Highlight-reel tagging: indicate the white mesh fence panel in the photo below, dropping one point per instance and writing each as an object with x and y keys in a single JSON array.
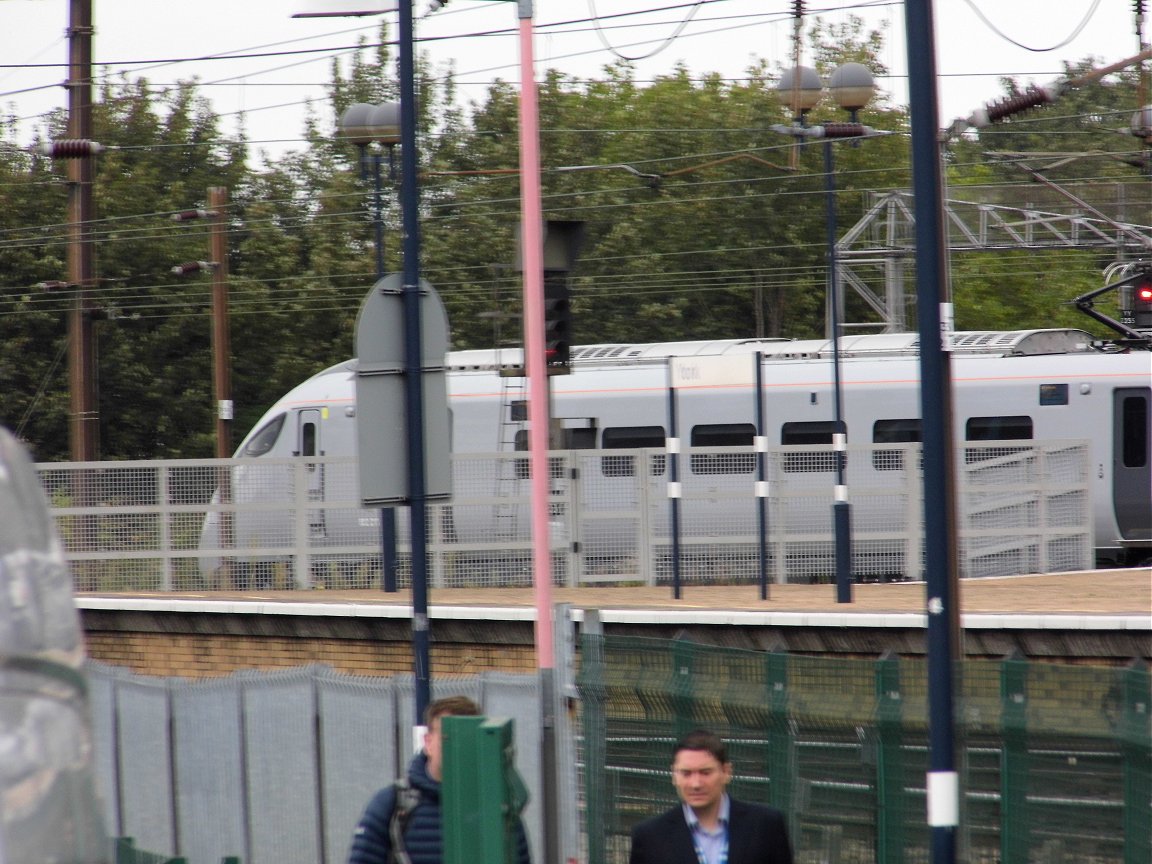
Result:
[
  {"x": 102, "y": 710},
  {"x": 273, "y": 766},
  {"x": 357, "y": 755},
  {"x": 280, "y": 759},
  {"x": 255, "y": 524},
  {"x": 209, "y": 781},
  {"x": 144, "y": 750}
]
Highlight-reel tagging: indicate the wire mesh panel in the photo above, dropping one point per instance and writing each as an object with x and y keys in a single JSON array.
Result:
[
  {"x": 516, "y": 697},
  {"x": 357, "y": 755},
  {"x": 145, "y": 755},
  {"x": 1023, "y": 506},
  {"x": 620, "y": 506},
  {"x": 102, "y": 710},
  {"x": 280, "y": 764},
  {"x": 209, "y": 759},
  {"x": 1055, "y": 761},
  {"x": 265, "y": 524},
  {"x": 274, "y": 766}
]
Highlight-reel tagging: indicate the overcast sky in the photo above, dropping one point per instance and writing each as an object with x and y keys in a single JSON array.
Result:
[{"x": 159, "y": 40}]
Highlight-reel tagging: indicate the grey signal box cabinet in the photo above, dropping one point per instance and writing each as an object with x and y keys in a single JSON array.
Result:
[{"x": 381, "y": 409}]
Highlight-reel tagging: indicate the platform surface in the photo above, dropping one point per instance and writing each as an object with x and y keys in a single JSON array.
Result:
[{"x": 1100, "y": 592}]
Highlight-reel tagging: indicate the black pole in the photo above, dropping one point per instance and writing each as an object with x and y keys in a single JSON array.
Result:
[
  {"x": 761, "y": 479},
  {"x": 841, "y": 514},
  {"x": 413, "y": 389},
  {"x": 388, "y": 557},
  {"x": 673, "y": 448},
  {"x": 378, "y": 214},
  {"x": 935, "y": 321}
]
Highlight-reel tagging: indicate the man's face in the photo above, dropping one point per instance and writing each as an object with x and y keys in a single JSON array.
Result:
[
  {"x": 433, "y": 746},
  {"x": 700, "y": 778}
]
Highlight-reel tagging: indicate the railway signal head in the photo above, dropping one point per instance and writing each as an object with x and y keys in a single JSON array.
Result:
[
  {"x": 557, "y": 324},
  {"x": 1142, "y": 304}
]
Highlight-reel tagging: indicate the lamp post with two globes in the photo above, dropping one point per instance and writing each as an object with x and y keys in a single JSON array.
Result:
[
  {"x": 364, "y": 125},
  {"x": 852, "y": 86}
]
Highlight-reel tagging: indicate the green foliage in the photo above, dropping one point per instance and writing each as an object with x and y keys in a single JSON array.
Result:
[{"x": 700, "y": 222}]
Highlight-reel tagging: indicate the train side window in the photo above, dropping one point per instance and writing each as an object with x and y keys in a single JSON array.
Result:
[
  {"x": 264, "y": 440},
  {"x": 808, "y": 432},
  {"x": 723, "y": 435},
  {"x": 579, "y": 438},
  {"x": 627, "y": 437},
  {"x": 308, "y": 439},
  {"x": 903, "y": 431},
  {"x": 1012, "y": 428},
  {"x": 1134, "y": 416},
  {"x": 1004, "y": 428}
]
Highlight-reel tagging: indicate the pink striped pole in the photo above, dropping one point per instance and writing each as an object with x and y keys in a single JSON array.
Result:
[{"x": 532, "y": 217}]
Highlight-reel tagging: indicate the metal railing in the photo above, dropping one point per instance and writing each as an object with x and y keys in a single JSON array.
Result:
[
  {"x": 270, "y": 767},
  {"x": 1056, "y": 761},
  {"x": 297, "y": 523}
]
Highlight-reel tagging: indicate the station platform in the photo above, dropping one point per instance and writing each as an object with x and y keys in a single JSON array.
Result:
[{"x": 1102, "y": 616}]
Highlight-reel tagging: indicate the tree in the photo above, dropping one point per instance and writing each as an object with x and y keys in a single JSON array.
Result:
[{"x": 698, "y": 225}]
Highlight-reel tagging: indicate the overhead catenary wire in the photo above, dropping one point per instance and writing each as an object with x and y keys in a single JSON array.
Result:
[
  {"x": 707, "y": 158},
  {"x": 296, "y": 103},
  {"x": 114, "y": 229},
  {"x": 1076, "y": 31}
]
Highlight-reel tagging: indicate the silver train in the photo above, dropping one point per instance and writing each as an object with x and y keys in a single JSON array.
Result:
[
  {"x": 1016, "y": 386},
  {"x": 49, "y": 810}
]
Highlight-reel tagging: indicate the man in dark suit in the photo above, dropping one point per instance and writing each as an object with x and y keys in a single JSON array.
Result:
[{"x": 709, "y": 827}]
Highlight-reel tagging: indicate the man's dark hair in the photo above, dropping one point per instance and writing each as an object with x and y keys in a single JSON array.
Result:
[
  {"x": 702, "y": 739},
  {"x": 453, "y": 706}
]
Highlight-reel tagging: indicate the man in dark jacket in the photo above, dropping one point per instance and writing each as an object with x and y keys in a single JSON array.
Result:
[
  {"x": 709, "y": 827},
  {"x": 420, "y": 826}
]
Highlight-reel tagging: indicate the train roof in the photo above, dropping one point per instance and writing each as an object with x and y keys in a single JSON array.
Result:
[
  {"x": 994, "y": 343},
  {"x": 989, "y": 342}
]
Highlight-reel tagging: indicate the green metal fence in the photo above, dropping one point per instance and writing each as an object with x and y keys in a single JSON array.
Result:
[
  {"x": 125, "y": 852},
  {"x": 1055, "y": 760}
]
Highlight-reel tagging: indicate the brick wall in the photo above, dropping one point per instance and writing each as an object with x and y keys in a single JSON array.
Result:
[
  {"x": 208, "y": 655},
  {"x": 205, "y": 656}
]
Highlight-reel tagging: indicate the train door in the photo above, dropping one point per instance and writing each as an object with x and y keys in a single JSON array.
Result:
[
  {"x": 1132, "y": 462},
  {"x": 309, "y": 445}
]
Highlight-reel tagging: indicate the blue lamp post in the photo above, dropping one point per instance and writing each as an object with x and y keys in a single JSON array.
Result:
[
  {"x": 852, "y": 86},
  {"x": 363, "y": 125}
]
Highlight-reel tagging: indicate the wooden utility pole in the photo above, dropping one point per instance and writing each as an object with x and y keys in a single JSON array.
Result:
[
  {"x": 221, "y": 340},
  {"x": 222, "y": 365},
  {"x": 84, "y": 421}
]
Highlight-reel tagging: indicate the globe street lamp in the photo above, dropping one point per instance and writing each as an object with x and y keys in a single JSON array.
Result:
[
  {"x": 852, "y": 86},
  {"x": 363, "y": 125}
]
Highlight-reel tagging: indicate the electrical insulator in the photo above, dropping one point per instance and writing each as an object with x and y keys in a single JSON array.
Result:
[
  {"x": 52, "y": 285},
  {"x": 842, "y": 130},
  {"x": 192, "y": 267},
  {"x": 994, "y": 112},
  {"x": 70, "y": 148},
  {"x": 185, "y": 215}
]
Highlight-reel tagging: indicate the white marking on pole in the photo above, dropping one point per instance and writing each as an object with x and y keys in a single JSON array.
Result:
[{"x": 943, "y": 799}]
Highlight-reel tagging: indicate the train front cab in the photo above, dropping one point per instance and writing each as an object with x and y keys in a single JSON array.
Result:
[{"x": 1132, "y": 471}]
